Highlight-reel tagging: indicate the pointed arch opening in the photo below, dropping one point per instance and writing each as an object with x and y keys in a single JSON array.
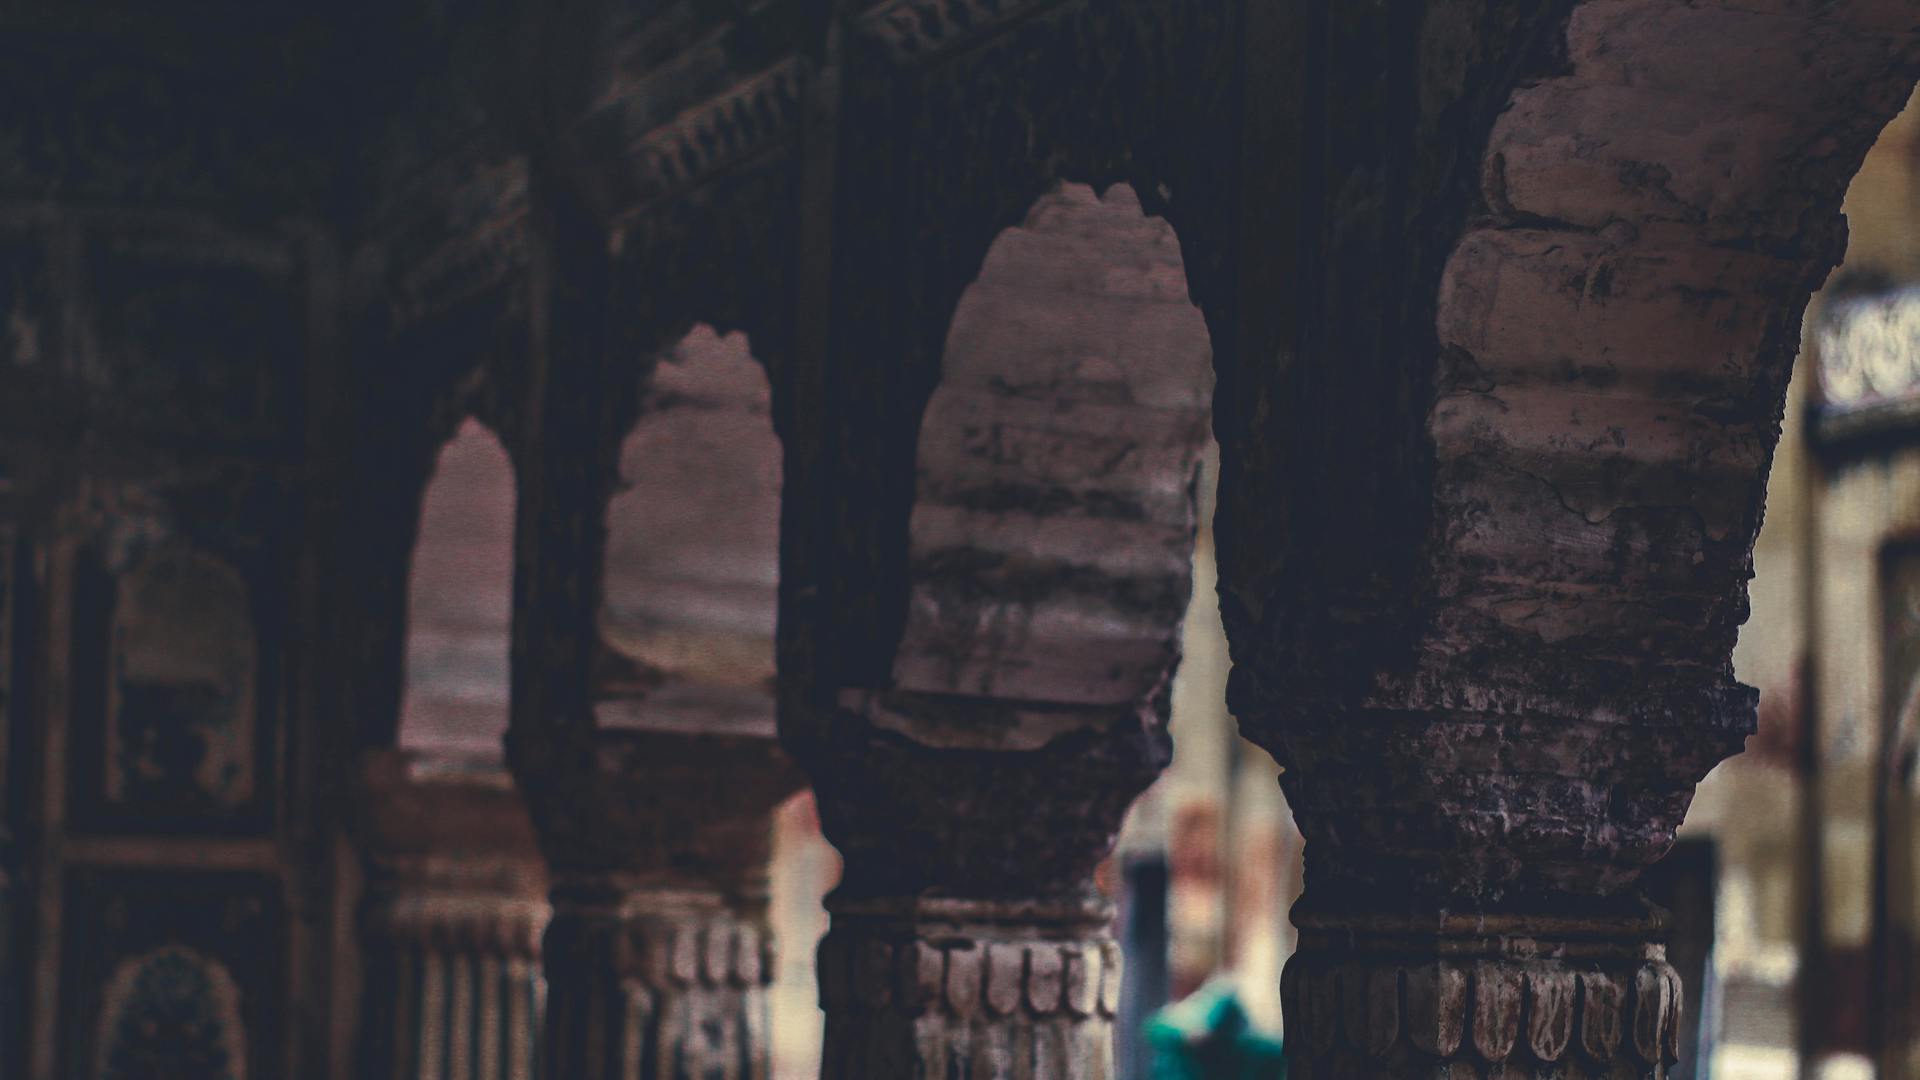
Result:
[
  {"x": 1054, "y": 514},
  {"x": 460, "y": 601},
  {"x": 691, "y": 576}
]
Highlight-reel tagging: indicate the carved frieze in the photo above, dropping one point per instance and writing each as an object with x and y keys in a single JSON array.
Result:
[
  {"x": 752, "y": 117},
  {"x": 918, "y": 30},
  {"x": 968, "y": 989},
  {"x": 682, "y": 975},
  {"x": 1480, "y": 996}
]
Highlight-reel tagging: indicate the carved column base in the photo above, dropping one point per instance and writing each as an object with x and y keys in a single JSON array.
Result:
[
  {"x": 454, "y": 984},
  {"x": 656, "y": 984},
  {"x": 454, "y": 909},
  {"x": 966, "y": 989},
  {"x": 1479, "y": 995}
]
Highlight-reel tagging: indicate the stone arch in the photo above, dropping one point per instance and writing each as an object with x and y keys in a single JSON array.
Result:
[
  {"x": 454, "y": 696},
  {"x": 691, "y": 565},
  {"x": 999, "y": 696},
  {"x": 455, "y": 892},
  {"x": 1044, "y": 564},
  {"x": 1053, "y": 517},
  {"x": 1495, "y": 673}
]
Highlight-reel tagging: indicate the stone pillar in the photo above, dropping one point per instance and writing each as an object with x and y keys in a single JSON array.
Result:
[
  {"x": 967, "y": 938},
  {"x": 1492, "y": 469},
  {"x": 981, "y": 617},
  {"x": 1470, "y": 907},
  {"x": 454, "y": 911},
  {"x": 658, "y": 957}
]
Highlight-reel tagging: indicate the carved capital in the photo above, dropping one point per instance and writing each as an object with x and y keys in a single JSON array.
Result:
[
  {"x": 968, "y": 988},
  {"x": 451, "y": 862},
  {"x": 913, "y": 817},
  {"x": 657, "y": 982},
  {"x": 500, "y": 925},
  {"x": 748, "y": 120},
  {"x": 1485, "y": 807},
  {"x": 658, "y": 956},
  {"x": 1485, "y": 995},
  {"x": 636, "y": 809}
]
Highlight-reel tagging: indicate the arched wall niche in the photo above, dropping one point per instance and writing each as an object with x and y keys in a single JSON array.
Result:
[
  {"x": 454, "y": 696},
  {"x": 182, "y": 696},
  {"x": 1053, "y": 519},
  {"x": 173, "y": 1011},
  {"x": 691, "y": 566}
]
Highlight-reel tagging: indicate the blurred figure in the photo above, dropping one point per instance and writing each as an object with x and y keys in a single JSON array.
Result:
[{"x": 1208, "y": 1037}]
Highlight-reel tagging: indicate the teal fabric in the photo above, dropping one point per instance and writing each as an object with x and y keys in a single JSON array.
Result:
[{"x": 1207, "y": 1037}]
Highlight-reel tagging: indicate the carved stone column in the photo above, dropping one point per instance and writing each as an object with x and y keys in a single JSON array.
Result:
[
  {"x": 981, "y": 619},
  {"x": 967, "y": 939},
  {"x": 658, "y": 956},
  {"x": 1470, "y": 907},
  {"x": 454, "y": 911}
]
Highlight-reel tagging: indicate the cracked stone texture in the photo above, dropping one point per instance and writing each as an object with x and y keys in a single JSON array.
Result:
[{"x": 1521, "y": 711}]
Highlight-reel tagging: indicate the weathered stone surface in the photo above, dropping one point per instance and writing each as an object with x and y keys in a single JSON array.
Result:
[
  {"x": 968, "y": 989},
  {"x": 1480, "y": 996},
  {"x": 1501, "y": 297}
]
